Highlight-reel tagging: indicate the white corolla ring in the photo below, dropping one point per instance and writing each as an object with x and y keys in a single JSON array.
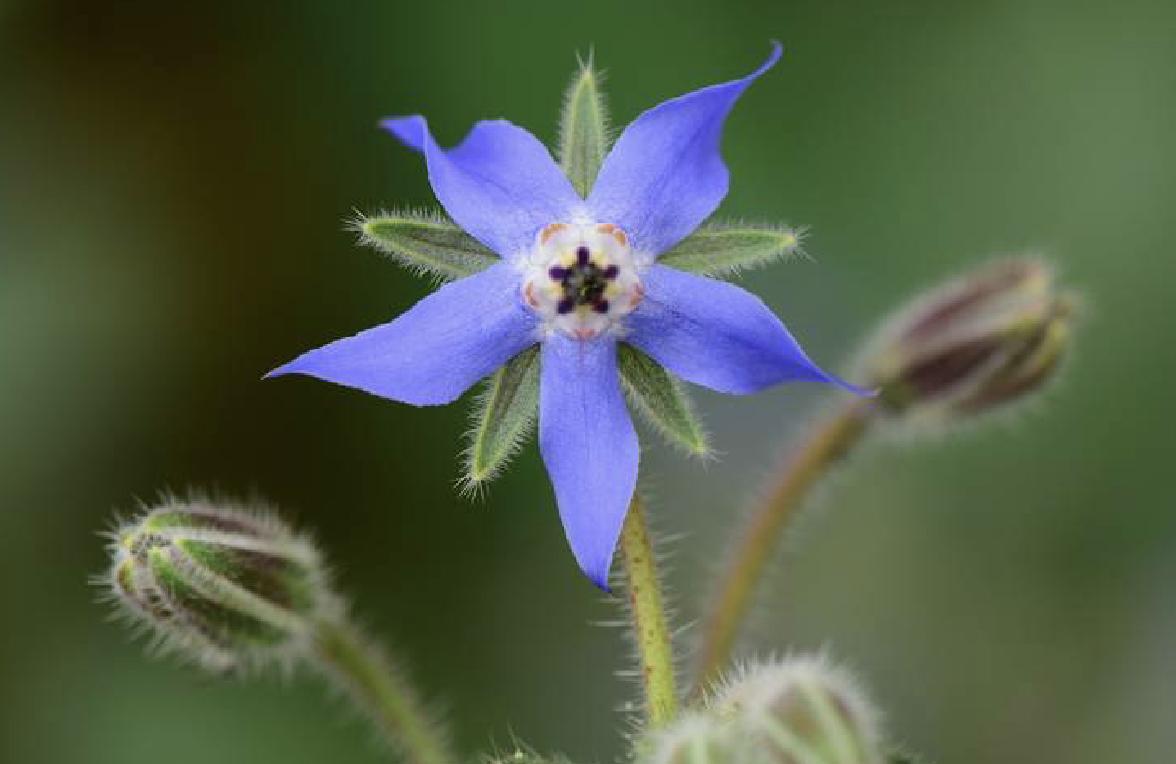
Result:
[{"x": 582, "y": 279}]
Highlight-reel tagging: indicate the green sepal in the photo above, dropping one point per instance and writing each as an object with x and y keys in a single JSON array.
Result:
[
  {"x": 503, "y": 415},
  {"x": 194, "y": 608},
  {"x": 725, "y": 249},
  {"x": 663, "y": 400},
  {"x": 583, "y": 129},
  {"x": 426, "y": 243},
  {"x": 273, "y": 577}
]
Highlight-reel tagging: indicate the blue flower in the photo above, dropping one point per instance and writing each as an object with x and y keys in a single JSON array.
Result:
[{"x": 578, "y": 275}]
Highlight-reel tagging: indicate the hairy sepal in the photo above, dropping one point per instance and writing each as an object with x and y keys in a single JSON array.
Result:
[
  {"x": 503, "y": 416},
  {"x": 727, "y": 249},
  {"x": 426, "y": 243},
  {"x": 663, "y": 401},
  {"x": 583, "y": 128}
]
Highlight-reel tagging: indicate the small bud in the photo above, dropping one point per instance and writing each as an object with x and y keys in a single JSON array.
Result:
[
  {"x": 973, "y": 344},
  {"x": 693, "y": 738},
  {"x": 800, "y": 711},
  {"x": 225, "y": 585}
]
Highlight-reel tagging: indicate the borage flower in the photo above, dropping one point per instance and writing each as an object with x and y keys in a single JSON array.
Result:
[{"x": 581, "y": 271}]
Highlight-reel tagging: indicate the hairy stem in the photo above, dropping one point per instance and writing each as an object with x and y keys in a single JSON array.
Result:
[
  {"x": 650, "y": 624},
  {"x": 379, "y": 690},
  {"x": 824, "y": 445}
]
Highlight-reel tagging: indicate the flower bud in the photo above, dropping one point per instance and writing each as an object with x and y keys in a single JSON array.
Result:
[
  {"x": 223, "y": 584},
  {"x": 973, "y": 344},
  {"x": 799, "y": 711},
  {"x": 693, "y": 738}
]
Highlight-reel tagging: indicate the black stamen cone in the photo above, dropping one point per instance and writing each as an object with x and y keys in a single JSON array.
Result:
[{"x": 583, "y": 283}]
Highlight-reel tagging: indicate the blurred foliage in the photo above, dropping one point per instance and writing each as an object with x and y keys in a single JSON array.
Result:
[{"x": 174, "y": 181}]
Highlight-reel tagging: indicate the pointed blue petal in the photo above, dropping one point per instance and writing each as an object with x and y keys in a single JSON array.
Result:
[
  {"x": 715, "y": 334},
  {"x": 438, "y": 349},
  {"x": 500, "y": 184},
  {"x": 665, "y": 174},
  {"x": 589, "y": 446}
]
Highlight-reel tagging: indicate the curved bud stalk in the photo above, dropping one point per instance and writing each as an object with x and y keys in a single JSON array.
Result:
[
  {"x": 821, "y": 448},
  {"x": 801, "y": 711},
  {"x": 971, "y": 345},
  {"x": 227, "y": 586},
  {"x": 426, "y": 243},
  {"x": 233, "y": 587},
  {"x": 726, "y": 249}
]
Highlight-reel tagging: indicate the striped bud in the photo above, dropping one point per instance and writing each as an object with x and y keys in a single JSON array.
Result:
[
  {"x": 973, "y": 344},
  {"x": 800, "y": 711},
  {"x": 224, "y": 584},
  {"x": 693, "y": 738}
]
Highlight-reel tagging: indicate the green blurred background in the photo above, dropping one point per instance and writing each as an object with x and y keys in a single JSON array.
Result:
[{"x": 173, "y": 184}]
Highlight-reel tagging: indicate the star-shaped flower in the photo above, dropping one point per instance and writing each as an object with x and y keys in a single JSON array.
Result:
[{"x": 578, "y": 274}]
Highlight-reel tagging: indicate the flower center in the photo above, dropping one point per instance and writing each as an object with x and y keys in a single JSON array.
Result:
[{"x": 581, "y": 279}]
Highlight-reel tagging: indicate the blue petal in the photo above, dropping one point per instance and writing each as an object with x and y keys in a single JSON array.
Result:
[
  {"x": 589, "y": 446},
  {"x": 717, "y": 335},
  {"x": 665, "y": 174},
  {"x": 435, "y": 351},
  {"x": 500, "y": 184}
]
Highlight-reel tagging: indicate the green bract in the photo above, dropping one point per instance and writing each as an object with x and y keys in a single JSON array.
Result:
[
  {"x": 426, "y": 243},
  {"x": 503, "y": 416},
  {"x": 725, "y": 249},
  {"x": 583, "y": 129},
  {"x": 663, "y": 400}
]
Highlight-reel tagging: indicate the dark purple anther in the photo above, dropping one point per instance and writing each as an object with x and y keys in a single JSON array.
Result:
[
  {"x": 582, "y": 257},
  {"x": 611, "y": 272},
  {"x": 557, "y": 273},
  {"x": 566, "y": 305},
  {"x": 601, "y": 306}
]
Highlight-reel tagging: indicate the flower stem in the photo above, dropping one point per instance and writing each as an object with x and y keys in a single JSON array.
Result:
[
  {"x": 647, "y": 609},
  {"x": 827, "y": 442},
  {"x": 379, "y": 690}
]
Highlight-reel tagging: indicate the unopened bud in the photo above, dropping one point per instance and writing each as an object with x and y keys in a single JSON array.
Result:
[
  {"x": 694, "y": 738},
  {"x": 800, "y": 711},
  {"x": 223, "y": 584},
  {"x": 985, "y": 339}
]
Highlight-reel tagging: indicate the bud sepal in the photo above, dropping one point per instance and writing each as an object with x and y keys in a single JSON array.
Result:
[{"x": 427, "y": 243}]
